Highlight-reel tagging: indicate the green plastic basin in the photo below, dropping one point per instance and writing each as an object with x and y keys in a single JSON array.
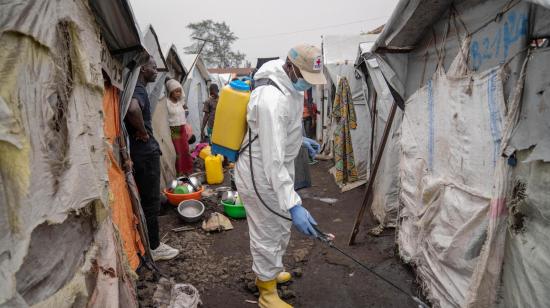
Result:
[{"x": 236, "y": 211}]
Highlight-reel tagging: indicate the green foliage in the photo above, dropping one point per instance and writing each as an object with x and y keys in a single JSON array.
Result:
[{"x": 219, "y": 53}]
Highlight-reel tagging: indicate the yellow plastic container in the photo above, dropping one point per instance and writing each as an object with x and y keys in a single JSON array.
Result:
[
  {"x": 214, "y": 169},
  {"x": 230, "y": 121},
  {"x": 205, "y": 152}
]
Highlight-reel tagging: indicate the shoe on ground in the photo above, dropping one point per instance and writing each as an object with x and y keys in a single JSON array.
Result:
[
  {"x": 283, "y": 277},
  {"x": 164, "y": 252},
  {"x": 269, "y": 298}
]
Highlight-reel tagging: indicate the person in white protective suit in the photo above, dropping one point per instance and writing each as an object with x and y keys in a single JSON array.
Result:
[{"x": 274, "y": 119}]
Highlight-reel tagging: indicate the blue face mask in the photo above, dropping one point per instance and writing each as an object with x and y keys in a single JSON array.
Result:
[{"x": 301, "y": 84}]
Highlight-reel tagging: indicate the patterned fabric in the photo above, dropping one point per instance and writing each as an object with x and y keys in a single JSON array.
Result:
[
  {"x": 343, "y": 113},
  {"x": 184, "y": 161}
]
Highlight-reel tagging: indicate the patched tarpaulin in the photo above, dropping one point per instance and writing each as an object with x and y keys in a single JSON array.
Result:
[
  {"x": 57, "y": 245},
  {"x": 450, "y": 140},
  {"x": 473, "y": 207}
]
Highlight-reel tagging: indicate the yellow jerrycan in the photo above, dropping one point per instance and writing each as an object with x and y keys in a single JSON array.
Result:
[
  {"x": 205, "y": 152},
  {"x": 230, "y": 120},
  {"x": 214, "y": 169}
]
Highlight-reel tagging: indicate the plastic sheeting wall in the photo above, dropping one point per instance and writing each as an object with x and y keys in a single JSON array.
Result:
[
  {"x": 161, "y": 130},
  {"x": 58, "y": 246},
  {"x": 527, "y": 253},
  {"x": 385, "y": 196},
  {"x": 450, "y": 140},
  {"x": 449, "y": 229},
  {"x": 197, "y": 93}
]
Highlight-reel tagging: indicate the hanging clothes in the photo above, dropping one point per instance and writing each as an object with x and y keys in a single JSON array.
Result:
[{"x": 343, "y": 113}]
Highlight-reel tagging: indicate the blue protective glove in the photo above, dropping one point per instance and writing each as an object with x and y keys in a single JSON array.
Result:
[{"x": 302, "y": 220}]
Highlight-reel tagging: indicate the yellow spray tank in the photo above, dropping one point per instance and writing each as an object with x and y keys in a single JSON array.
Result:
[{"x": 230, "y": 121}]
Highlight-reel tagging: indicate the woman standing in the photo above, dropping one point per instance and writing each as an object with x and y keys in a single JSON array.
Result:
[{"x": 180, "y": 131}]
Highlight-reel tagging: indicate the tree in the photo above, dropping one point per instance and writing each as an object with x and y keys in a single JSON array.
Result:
[{"x": 218, "y": 53}]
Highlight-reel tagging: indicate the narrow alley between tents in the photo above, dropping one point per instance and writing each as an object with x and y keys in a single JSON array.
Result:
[
  {"x": 272, "y": 154},
  {"x": 218, "y": 263}
]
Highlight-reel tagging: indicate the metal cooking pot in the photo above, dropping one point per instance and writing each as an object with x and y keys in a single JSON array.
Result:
[
  {"x": 191, "y": 210},
  {"x": 195, "y": 182},
  {"x": 229, "y": 197}
]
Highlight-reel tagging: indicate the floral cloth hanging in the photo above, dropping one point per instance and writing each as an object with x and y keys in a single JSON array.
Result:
[{"x": 343, "y": 113}]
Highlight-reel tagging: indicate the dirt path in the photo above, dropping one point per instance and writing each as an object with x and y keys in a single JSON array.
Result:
[{"x": 218, "y": 264}]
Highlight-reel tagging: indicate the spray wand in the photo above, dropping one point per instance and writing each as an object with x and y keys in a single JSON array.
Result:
[{"x": 328, "y": 239}]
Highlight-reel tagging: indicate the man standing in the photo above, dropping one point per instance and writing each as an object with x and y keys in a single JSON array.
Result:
[
  {"x": 274, "y": 118},
  {"x": 209, "y": 110},
  {"x": 145, "y": 153}
]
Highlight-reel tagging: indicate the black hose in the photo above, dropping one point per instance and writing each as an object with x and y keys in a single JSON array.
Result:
[
  {"x": 254, "y": 181},
  {"x": 320, "y": 234},
  {"x": 324, "y": 238}
]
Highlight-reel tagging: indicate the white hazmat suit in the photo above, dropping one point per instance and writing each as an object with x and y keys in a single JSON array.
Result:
[{"x": 275, "y": 116}]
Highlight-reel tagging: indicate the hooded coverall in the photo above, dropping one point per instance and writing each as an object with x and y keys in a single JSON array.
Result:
[{"x": 275, "y": 116}]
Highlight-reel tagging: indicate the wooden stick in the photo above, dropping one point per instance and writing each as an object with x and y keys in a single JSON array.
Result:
[
  {"x": 184, "y": 228},
  {"x": 367, "y": 200}
]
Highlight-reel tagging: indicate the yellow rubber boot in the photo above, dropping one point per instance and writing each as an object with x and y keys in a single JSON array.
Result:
[
  {"x": 283, "y": 277},
  {"x": 268, "y": 295}
]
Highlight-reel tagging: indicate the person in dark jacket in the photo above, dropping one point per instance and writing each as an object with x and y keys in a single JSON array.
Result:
[{"x": 145, "y": 153}]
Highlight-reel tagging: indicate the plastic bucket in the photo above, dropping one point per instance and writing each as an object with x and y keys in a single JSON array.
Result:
[
  {"x": 176, "y": 199},
  {"x": 236, "y": 211}
]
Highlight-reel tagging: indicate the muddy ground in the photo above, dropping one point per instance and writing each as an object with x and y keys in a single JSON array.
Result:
[{"x": 218, "y": 264}]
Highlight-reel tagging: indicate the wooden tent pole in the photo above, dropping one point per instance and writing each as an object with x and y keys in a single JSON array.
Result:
[{"x": 367, "y": 199}]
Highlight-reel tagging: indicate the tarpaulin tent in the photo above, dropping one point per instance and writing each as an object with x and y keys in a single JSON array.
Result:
[
  {"x": 196, "y": 89},
  {"x": 176, "y": 69},
  {"x": 472, "y": 147},
  {"x": 59, "y": 244},
  {"x": 385, "y": 199},
  {"x": 155, "y": 89},
  {"x": 339, "y": 54}
]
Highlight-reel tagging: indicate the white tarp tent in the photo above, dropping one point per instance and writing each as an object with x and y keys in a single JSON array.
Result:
[
  {"x": 176, "y": 69},
  {"x": 339, "y": 54},
  {"x": 196, "y": 90},
  {"x": 473, "y": 185},
  {"x": 220, "y": 79}
]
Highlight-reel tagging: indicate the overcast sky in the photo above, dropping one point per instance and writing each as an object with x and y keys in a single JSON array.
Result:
[{"x": 265, "y": 28}]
